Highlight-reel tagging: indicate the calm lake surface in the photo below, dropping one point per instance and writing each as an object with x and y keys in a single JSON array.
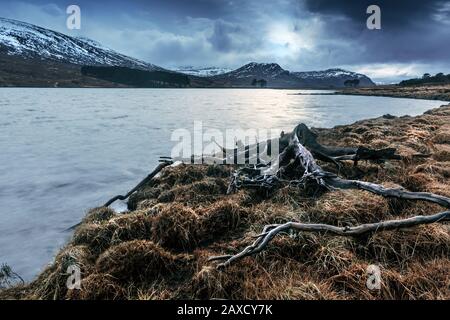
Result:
[{"x": 63, "y": 151}]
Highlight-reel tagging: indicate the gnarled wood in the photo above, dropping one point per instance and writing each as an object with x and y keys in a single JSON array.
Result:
[
  {"x": 271, "y": 231},
  {"x": 164, "y": 163},
  {"x": 297, "y": 166}
]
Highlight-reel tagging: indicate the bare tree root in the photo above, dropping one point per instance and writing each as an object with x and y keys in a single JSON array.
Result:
[
  {"x": 388, "y": 192},
  {"x": 163, "y": 163},
  {"x": 8, "y": 277},
  {"x": 297, "y": 166},
  {"x": 309, "y": 139},
  {"x": 270, "y": 231}
]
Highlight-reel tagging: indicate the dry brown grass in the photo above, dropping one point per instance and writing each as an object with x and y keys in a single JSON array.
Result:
[
  {"x": 138, "y": 261},
  {"x": 160, "y": 248},
  {"x": 176, "y": 227},
  {"x": 98, "y": 286}
]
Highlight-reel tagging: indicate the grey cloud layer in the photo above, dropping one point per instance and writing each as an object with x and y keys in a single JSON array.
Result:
[{"x": 298, "y": 34}]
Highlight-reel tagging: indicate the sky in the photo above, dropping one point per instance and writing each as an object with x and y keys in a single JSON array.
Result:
[{"x": 300, "y": 35}]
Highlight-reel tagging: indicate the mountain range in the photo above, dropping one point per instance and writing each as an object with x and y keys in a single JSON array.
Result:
[{"x": 35, "y": 56}]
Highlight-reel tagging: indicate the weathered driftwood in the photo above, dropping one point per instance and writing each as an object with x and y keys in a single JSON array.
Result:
[
  {"x": 163, "y": 163},
  {"x": 297, "y": 166},
  {"x": 271, "y": 231},
  {"x": 8, "y": 277},
  {"x": 307, "y": 138},
  {"x": 335, "y": 154}
]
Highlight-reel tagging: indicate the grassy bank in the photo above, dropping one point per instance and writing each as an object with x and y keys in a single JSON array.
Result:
[
  {"x": 160, "y": 248},
  {"x": 430, "y": 92}
]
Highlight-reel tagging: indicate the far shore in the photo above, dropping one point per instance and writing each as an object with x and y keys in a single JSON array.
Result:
[{"x": 428, "y": 92}]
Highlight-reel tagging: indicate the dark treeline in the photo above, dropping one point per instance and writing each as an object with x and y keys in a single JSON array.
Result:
[
  {"x": 259, "y": 83},
  {"x": 439, "y": 78},
  {"x": 351, "y": 82},
  {"x": 137, "y": 78}
]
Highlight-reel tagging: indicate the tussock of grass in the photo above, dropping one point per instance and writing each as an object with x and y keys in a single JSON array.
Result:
[
  {"x": 160, "y": 248},
  {"x": 52, "y": 283},
  {"x": 98, "y": 286},
  {"x": 98, "y": 215},
  {"x": 175, "y": 227},
  {"x": 138, "y": 260},
  {"x": 100, "y": 236},
  {"x": 442, "y": 137},
  {"x": 220, "y": 218}
]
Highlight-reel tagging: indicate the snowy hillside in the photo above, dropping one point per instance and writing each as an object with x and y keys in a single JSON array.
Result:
[
  {"x": 202, "y": 72},
  {"x": 329, "y": 73},
  {"x": 334, "y": 76},
  {"x": 260, "y": 70},
  {"x": 30, "y": 41}
]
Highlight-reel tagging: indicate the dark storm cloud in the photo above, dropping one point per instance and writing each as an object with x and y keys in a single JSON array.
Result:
[
  {"x": 412, "y": 31},
  {"x": 231, "y": 37},
  {"x": 395, "y": 13},
  {"x": 221, "y": 38}
]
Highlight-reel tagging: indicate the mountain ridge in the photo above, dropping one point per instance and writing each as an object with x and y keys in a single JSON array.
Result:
[
  {"x": 274, "y": 75},
  {"x": 30, "y": 41},
  {"x": 56, "y": 59}
]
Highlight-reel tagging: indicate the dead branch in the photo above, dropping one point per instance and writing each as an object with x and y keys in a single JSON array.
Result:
[
  {"x": 8, "y": 277},
  {"x": 309, "y": 139},
  {"x": 399, "y": 193},
  {"x": 297, "y": 166},
  {"x": 250, "y": 153},
  {"x": 164, "y": 163},
  {"x": 271, "y": 231}
]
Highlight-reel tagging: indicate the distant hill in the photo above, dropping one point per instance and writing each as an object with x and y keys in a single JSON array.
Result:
[
  {"x": 439, "y": 78},
  {"x": 333, "y": 78},
  {"x": 275, "y": 76}
]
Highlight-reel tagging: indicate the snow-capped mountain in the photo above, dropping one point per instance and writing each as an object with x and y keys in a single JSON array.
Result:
[
  {"x": 335, "y": 77},
  {"x": 248, "y": 75},
  {"x": 329, "y": 73},
  {"x": 258, "y": 70},
  {"x": 29, "y": 41},
  {"x": 202, "y": 72},
  {"x": 274, "y": 76}
]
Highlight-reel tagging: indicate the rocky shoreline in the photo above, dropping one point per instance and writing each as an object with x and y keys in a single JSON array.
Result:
[{"x": 159, "y": 249}]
